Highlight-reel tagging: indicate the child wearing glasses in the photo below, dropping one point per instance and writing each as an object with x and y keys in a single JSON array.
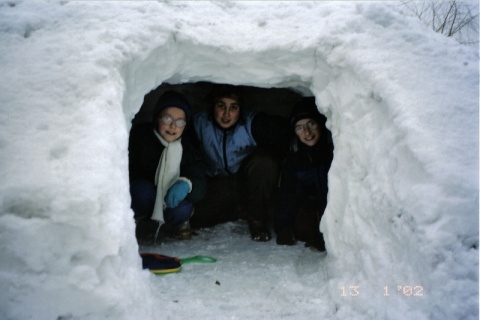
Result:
[
  {"x": 164, "y": 179},
  {"x": 304, "y": 184}
]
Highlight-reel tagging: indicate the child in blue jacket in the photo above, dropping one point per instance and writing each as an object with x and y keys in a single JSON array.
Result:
[{"x": 239, "y": 148}]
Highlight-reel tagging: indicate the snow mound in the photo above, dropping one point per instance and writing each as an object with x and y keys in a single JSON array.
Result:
[{"x": 401, "y": 225}]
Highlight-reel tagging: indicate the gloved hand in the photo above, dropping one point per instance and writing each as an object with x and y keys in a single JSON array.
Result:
[{"x": 177, "y": 192}]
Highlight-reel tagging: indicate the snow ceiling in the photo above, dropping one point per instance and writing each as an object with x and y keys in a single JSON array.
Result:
[{"x": 401, "y": 102}]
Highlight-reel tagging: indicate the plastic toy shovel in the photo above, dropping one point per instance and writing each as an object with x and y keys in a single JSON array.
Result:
[{"x": 160, "y": 264}]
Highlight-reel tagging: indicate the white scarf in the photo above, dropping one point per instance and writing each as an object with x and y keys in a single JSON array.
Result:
[{"x": 168, "y": 172}]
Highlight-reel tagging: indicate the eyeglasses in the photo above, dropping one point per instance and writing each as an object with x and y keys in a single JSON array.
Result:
[
  {"x": 179, "y": 123},
  {"x": 301, "y": 128}
]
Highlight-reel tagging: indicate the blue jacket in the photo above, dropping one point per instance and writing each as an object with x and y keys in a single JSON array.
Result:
[{"x": 224, "y": 149}]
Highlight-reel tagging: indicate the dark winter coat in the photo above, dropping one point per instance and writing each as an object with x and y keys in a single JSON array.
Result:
[
  {"x": 225, "y": 149},
  {"x": 144, "y": 151},
  {"x": 304, "y": 175}
]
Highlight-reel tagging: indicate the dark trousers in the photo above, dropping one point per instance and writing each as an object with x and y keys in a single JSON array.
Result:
[
  {"x": 301, "y": 205},
  {"x": 143, "y": 195},
  {"x": 246, "y": 194}
]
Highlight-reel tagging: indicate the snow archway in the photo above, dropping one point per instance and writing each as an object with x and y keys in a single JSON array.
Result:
[{"x": 401, "y": 104}]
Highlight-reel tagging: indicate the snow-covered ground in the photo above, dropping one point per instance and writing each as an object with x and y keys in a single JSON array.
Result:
[
  {"x": 401, "y": 225},
  {"x": 248, "y": 281}
]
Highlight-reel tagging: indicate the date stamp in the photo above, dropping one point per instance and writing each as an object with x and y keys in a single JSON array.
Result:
[{"x": 404, "y": 290}]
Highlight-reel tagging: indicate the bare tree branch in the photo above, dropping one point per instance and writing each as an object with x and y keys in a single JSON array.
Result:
[
  {"x": 455, "y": 11},
  {"x": 458, "y": 19}
]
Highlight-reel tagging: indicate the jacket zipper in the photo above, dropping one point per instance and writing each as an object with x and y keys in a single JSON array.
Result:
[{"x": 225, "y": 161}]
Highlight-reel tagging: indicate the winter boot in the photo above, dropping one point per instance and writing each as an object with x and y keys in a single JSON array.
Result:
[
  {"x": 316, "y": 245},
  {"x": 183, "y": 231},
  {"x": 259, "y": 230},
  {"x": 146, "y": 230}
]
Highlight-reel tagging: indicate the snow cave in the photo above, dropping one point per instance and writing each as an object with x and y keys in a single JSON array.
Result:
[{"x": 401, "y": 224}]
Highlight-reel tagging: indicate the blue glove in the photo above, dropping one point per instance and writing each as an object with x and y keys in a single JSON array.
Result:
[{"x": 177, "y": 192}]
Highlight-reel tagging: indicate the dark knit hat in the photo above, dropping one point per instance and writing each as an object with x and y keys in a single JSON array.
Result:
[
  {"x": 306, "y": 108},
  {"x": 172, "y": 99},
  {"x": 225, "y": 91}
]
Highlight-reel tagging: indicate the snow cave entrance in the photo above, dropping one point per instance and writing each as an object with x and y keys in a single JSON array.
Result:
[
  {"x": 277, "y": 101},
  {"x": 274, "y": 101}
]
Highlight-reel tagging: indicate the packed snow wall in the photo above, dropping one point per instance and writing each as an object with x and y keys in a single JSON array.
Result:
[{"x": 403, "y": 191}]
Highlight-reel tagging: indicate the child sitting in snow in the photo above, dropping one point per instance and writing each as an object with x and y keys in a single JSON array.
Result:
[
  {"x": 304, "y": 186},
  {"x": 160, "y": 195},
  {"x": 238, "y": 145}
]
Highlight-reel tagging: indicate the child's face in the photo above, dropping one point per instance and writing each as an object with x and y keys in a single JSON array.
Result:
[
  {"x": 226, "y": 112},
  {"x": 307, "y": 131},
  {"x": 171, "y": 123}
]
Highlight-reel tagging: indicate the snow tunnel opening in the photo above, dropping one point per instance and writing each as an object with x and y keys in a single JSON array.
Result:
[{"x": 277, "y": 101}]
